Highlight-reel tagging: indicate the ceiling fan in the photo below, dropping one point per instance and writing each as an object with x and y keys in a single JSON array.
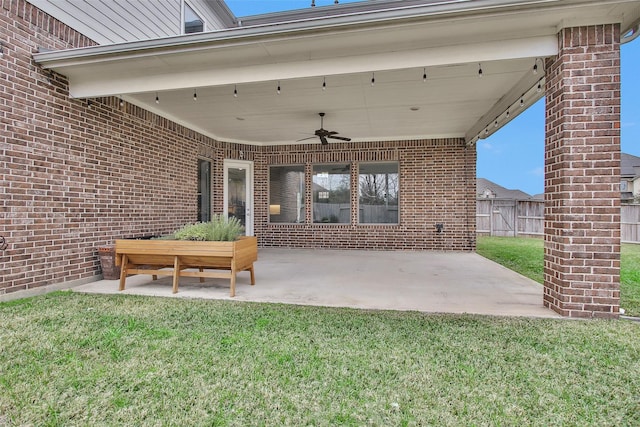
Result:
[{"x": 323, "y": 134}]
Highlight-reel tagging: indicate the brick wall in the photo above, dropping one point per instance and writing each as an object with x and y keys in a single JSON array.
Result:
[
  {"x": 582, "y": 174},
  {"x": 437, "y": 185},
  {"x": 77, "y": 175}
]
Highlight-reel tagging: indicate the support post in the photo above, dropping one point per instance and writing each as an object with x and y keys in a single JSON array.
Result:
[{"x": 582, "y": 174}]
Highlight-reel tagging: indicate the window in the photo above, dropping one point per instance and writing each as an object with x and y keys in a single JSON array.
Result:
[
  {"x": 192, "y": 21},
  {"x": 286, "y": 194},
  {"x": 204, "y": 190},
  {"x": 378, "y": 188},
  {"x": 332, "y": 193}
]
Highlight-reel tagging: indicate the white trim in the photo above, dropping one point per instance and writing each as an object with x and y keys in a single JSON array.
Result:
[
  {"x": 182, "y": 14},
  {"x": 430, "y": 12},
  {"x": 447, "y": 11}
]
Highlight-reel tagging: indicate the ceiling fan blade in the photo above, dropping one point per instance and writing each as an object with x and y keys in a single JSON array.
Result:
[
  {"x": 323, "y": 139},
  {"x": 304, "y": 139},
  {"x": 341, "y": 138}
]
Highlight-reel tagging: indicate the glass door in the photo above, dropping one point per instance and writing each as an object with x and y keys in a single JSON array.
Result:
[{"x": 238, "y": 192}]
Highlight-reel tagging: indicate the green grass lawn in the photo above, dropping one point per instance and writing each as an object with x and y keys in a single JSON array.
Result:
[
  {"x": 526, "y": 256},
  {"x": 74, "y": 359}
]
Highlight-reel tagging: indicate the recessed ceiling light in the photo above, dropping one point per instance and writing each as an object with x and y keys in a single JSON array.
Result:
[{"x": 414, "y": 108}]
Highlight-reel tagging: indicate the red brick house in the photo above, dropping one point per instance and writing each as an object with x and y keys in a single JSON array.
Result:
[{"x": 124, "y": 122}]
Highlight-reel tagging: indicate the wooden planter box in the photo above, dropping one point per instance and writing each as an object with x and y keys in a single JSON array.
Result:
[{"x": 173, "y": 257}]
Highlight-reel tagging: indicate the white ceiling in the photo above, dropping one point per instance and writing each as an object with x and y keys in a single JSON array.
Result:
[
  {"x": 449, "y": 40},
  {"x": 452, "y": 99}
]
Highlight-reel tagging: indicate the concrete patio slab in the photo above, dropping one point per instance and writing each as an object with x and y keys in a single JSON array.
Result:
[{"x": 439, "y": 282}]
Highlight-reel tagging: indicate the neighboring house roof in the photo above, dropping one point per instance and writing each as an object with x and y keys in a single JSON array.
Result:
[
  {"x": 629, "y": 166},
  {"x": 486, "y": 189},
  {"x": 629, "y": 173}
]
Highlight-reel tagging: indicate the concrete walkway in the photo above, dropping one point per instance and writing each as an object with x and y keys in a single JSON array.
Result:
[{"x": 444, "y": 282}]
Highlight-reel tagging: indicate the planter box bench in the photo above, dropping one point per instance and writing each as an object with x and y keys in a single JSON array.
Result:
[{"x": 173, "y": 257}]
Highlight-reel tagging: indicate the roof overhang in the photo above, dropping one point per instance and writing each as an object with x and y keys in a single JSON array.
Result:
[{"x": 395, "y": 45}]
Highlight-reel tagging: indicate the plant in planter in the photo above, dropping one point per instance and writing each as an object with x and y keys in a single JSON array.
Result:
[
  {"x": 214, "y": 245},
  {"x": 219, "y": 229}
]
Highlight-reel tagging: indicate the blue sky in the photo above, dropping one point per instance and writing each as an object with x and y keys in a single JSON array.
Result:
[{"x": 514, "y": 156}]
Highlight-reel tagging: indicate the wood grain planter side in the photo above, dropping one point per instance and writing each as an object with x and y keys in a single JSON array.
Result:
[{"x": 173, "y": 257}]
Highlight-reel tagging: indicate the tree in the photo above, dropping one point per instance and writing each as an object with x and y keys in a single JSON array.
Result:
[{"x": 379, "y": 189}]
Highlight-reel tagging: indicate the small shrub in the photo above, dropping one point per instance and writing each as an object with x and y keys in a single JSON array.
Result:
[
  {"x": 219, "y": 229},
  {"x": 199, "y": 231}
]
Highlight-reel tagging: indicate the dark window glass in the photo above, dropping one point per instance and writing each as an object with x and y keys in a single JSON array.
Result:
[
  {"x": 286, "y": 194},
  {"x": 192, "y": 22},
  {"x": 204, "y": 190}
]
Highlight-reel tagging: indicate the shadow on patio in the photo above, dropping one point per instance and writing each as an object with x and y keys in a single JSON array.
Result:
[{"x": 444, "y": 282}]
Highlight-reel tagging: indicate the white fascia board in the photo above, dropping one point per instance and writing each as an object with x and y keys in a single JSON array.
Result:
[
  {"x": 105, "y": 81},
  {"x": 455, "y": 12},
  {"x": 443, "y": 10}
]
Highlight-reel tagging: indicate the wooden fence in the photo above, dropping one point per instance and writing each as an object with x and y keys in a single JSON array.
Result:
[
  {"x": 500, "y": 217},
  {"x": 508, "y": 217},
  {"x": 369, "y": 214},
  {"x": 630, "y": 223}
]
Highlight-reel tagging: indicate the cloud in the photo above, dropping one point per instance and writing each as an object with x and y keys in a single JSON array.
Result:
[
  {"x": 539, "y": 171},
  {"x": 490, "y": 147}
]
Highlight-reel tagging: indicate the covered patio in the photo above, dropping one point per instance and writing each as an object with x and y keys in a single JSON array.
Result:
[
  {"x": 138, "y": 138},
  {"x": 433, "y": 282}
]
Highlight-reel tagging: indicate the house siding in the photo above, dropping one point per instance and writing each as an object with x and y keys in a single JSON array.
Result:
[
  {"x": 77, "y": 175},
  {"x": 115, "y": 21}
]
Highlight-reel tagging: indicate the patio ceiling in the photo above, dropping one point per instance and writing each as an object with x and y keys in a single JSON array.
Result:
[{"x": 450, "y": 41}]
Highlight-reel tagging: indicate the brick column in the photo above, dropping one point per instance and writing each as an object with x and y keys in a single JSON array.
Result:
[{"x": 582, "y": 174}]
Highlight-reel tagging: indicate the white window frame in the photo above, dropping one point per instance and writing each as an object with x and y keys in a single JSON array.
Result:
[{"x": 186, "y": 4}]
